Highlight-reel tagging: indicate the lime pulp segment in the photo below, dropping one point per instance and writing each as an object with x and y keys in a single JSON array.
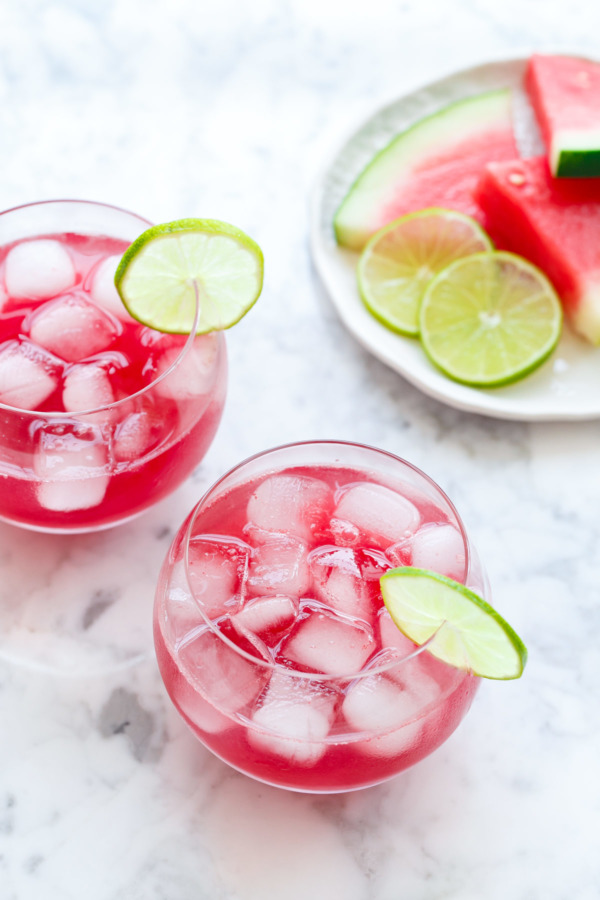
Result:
[
  {"x": 489, "y": 319},
  {"x": 463, "y": 629},
  {"x": 164, "y": 269},
  {"x": 400, "y": 260}
]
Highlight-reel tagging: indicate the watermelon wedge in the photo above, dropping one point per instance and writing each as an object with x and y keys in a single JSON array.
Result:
[
  {"x": 565, "y": 94},
  {"x": 553, "y": 222},
  {"x": 436, "y": 162}
]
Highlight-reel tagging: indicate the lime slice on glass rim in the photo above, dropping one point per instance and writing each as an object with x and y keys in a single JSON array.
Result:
[
  {"x": 400, "y": 260},
  {"x": 463, "y": 629},
  {"x": 169, "y": 267},
  {"x": 489, "y": 319}
]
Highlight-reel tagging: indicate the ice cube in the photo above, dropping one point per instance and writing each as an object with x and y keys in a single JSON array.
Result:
[
  {"x": 179, "y": 621},
  {"x": 413, "y": 667},
  {"x": 265, "y": 616},
  {"x": 338, "y": 582},
  {"x": 392, "y": 638},
  {"x": 372, "y": 564},
  {"x": 383, "y": 516},
  {"x": 390, "y": 714},
  {"x": 71, "y": 462},
  {"x": 73, "y": 328},
  {"x": 279, "y": 566},
  {"x": 245, "y": 639},
  {"x": 400, "y": 554},
  {"x": 293, "y": 719},
  {"x": 324, "y": 642},
  {"x": 217, "y": 569},
  {"x": 138, "y": 433},
  {"x": 199, "y": 711},
  {"x": 344, "y": 534},
  {"x": 87, "y": 387},
  {"x": 28, "y": 375},
  {"x": 103, "y": 290},
  {"x": 294, "y": 504},
  {"x": 38, "y": 269},
  {"x": 222, "y": 675},
  {"x": 441, "y": 549},
  {"x": 179, "y": 612},
  {"x": 194, "y": 375}
]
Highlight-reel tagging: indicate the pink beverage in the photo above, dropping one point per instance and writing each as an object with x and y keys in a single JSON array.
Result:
[
  {"x": 100, "y": 416},
  {"x": 271, "y": 634}
]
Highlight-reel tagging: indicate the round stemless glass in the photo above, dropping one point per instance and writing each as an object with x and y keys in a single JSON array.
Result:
[
  {"x": 90, "y": 469},
  {"x": 316, "y": 731}
]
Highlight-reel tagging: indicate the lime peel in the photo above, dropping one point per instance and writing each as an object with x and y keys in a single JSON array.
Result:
[
  {"x": 170, "y": 268},
  {"x": 461, "y": 628},
  {"x": 489, "y": 319}
]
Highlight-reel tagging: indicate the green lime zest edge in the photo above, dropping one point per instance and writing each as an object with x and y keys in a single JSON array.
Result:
[
  {"x": 190, "y": 225},
  {"x": 429, "y": 211},
  {"x": 520, "y": 650}
]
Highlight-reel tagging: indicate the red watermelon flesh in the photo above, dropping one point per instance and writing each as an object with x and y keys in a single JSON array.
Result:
[
  {"x": 449, "y": 178},
  {"x": 565, "y": 94},
  {"x": 435, "y": 162},
  {"x": 553, "y": 222}
]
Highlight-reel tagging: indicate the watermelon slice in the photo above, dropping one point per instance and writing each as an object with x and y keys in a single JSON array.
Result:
[
  {"x": 437, "y": 162},
  {"x": 565, "y": 93},
  {"x": 553, "y": 222}
]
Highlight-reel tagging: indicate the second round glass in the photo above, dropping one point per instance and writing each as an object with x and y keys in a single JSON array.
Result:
[{"x": 269, "y": 628}]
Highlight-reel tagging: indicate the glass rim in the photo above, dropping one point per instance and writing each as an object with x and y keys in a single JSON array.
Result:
[
  {"x": 393, "y": 661},
  {"x": 56, "y": 415}
]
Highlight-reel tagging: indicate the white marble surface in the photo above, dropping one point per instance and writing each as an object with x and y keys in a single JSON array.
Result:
[{"x": 182, "y": 107}]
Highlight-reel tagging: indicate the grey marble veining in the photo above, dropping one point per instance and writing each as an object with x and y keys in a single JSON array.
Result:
[{"x": 230, "y": 110}]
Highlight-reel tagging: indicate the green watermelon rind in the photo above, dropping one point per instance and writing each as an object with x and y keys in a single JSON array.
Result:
[
  {"x": 573, "y": 142},
  {"x": 453, "y": 124},
  {"x": 585, "y": 317},
  {"x": 576, "y": 155}
]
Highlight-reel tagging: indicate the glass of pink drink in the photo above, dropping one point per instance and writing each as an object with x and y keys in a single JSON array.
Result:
[
  {"x": 271, "y": 634},
  {"x": 100, "y": 416}
]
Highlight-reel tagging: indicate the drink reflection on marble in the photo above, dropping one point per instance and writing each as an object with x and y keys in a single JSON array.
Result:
[
  {"x": 100, "y": 416},
  {"x": 270, "y": 630}
]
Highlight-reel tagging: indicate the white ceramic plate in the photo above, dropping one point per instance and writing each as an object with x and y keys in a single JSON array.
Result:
[{"x": 567, "y": 386}]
